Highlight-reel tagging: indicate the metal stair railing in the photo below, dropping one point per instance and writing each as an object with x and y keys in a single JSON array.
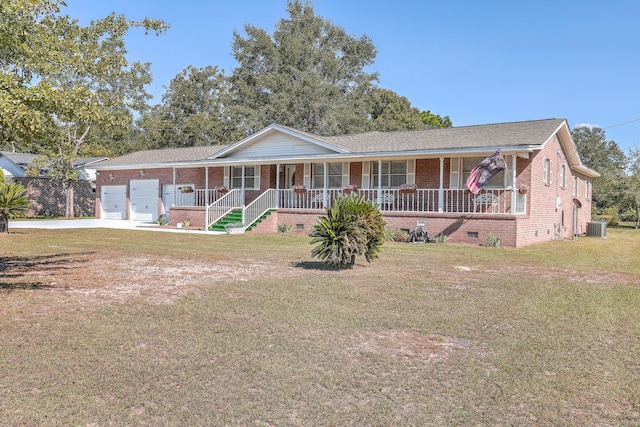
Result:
[
  {"x": 254, "y": 210},
  {"x": 222, "y": 206}
]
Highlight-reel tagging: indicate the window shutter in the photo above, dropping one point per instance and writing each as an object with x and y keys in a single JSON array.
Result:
[
  {"x": 345, "y": 174},
  {"x": 256, "y": 177},
  {"x": 366, "y": 174},
  {"x": 454, "y": 174},
  {"x": 411, "y": 171},
  {"x": 226, "y": 179},
  {"x": 307, "y": 175}
]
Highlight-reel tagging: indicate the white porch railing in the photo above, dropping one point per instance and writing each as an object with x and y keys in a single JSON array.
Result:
[
  {"x": 197, "y": 197},
  {"x": 254, "y": 210},
  {"x": 457, "y": 201},
  {"x": 452, "y": 201},
  {"x": 222, "y": 206}
]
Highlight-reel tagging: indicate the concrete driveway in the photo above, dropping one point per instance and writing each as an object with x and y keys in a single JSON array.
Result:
[{"x": 99, "y": 223}]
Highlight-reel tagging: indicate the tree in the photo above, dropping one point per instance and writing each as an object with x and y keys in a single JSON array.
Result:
[
  {"x": 305, "y": 75},
  {"x": 59, "y": 79},
  {"x": 390, "y": 112},
  {"x": 14, "y": 203},
  {"x": 632, "y": 185},
  {"x": 193, "y": 112},
  {"x": 353, "y": 226},
  {"x": 435, "y": 121},
  {"x": 605, "y": 157}
]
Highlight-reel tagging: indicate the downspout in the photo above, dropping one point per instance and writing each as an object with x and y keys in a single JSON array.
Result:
[{"x": 441, "y": 188}]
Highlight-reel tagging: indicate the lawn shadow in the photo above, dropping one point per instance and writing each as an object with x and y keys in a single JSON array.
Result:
[
  {"x": 25, "y": 272},
  {"x": 317, "y": 265}
]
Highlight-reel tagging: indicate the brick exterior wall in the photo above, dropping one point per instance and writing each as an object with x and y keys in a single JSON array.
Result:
[
  {"x": 541, "y": 221},
  {"x": 545, "y": 220},
  {"x": 47, "y": 197}
]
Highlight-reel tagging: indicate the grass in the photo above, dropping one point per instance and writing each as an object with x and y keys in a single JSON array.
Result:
[{"x": 116, "y": 327}]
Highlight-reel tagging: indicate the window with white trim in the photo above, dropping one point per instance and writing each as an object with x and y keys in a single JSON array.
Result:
[
  {"x": 250, "y": 180},
  {"x": 469, "y": 163},
  {"x": 563, "y": 176},
  {"x": 392, "y": 173},
  {"x": 547, "y": 174},
  {"x": 334, "y": 175}
]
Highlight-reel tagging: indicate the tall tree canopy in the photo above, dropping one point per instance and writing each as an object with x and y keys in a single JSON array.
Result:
[
  {"x": 606, "y": 158},
  {"x": 58, "y": 79},
  {"x": 194, "y": 111},
  {"x": 304, "y": 75}
]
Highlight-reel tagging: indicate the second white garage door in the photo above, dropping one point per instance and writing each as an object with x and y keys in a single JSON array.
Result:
[{"x": 143, "y": 197}]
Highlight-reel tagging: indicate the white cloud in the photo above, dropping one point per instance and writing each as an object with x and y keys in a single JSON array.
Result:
[{"x": 586, "y": 125}]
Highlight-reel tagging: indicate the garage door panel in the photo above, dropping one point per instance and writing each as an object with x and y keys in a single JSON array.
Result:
[
  {"x": 113, "y": 199},
  {"x": 144, "y": 199}
]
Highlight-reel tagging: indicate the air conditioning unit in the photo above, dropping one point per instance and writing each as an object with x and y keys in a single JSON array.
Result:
[{"x": 597, "y": 229}]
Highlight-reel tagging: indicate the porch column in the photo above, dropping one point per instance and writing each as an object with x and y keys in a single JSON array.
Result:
[
  {"x": 441, "y": 188},
  {"x": 206, "y": 186},
  {"x": 325, "y": 182},
  {"x": 242, "y": 188},
  {"x": 380, "y": 182},
  {"x": 513, "y": 184},
  {"x": 278, "y": 166},
  {"x": 173, "y": 202}
]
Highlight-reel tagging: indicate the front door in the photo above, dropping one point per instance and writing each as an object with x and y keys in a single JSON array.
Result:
[{"x": 289, "y": 175}]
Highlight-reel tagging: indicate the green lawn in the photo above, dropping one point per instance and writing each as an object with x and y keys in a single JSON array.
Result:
[{"x": 114, "y": 327}]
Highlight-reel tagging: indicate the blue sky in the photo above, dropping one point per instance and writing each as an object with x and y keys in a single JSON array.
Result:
[{"x": 476, "y": 61}]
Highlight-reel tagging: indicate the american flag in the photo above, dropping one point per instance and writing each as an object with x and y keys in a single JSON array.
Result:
[{"x": 487, "y": 169}]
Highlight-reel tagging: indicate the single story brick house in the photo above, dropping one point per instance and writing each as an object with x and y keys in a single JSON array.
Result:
[{"x": 545, "y": 192}]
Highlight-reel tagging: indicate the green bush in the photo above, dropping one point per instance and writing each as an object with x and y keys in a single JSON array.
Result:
[
  {"x": 610, "y": 215},
  {"x": 441, "y": 238},
  {"x": 493, "y": 241},
  {"x": 285, "y": 228},
  {"x": 353, "y": 226},
  {"x": 629, "y": 215},
  {"x": 396, "y": 235}
]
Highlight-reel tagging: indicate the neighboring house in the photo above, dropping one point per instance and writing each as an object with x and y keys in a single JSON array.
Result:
[
  {"x": 15, "y": 165},
  {"x": 264, "y": 171}
]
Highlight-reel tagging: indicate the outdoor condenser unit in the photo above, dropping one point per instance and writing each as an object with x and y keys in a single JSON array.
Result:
[{"x": 597, "y": 229}]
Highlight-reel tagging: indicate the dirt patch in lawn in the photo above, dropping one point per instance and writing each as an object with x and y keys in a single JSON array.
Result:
[
  {"x": 411, "y": 346},
  {"x": 114, "y": 278}
]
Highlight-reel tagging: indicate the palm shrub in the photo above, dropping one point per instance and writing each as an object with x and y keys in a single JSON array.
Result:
[
  {"x": 352, "y": 227},
  {"x": 14, "y": 204}
]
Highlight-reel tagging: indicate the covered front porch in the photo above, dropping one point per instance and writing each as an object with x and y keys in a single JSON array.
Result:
[{"x": 212, "y": 205}]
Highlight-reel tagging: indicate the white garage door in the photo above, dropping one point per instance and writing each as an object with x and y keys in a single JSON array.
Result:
[
  {"x": 144, "y": 199},
  {"x": 113, "y": 199}
]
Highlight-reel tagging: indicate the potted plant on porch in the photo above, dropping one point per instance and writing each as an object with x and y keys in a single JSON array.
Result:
[
  {"x": 407, "y": 188},
  {"x": 221, "y": 189},
  {"x": 523, "y": 189},
  {"x": 299, "y": 189},
  {"x": 351, "y": 188}
]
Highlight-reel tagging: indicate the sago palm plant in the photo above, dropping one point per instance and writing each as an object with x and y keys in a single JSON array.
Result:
[
  {"x": 14, "y": 204},
  {"x": 352, "y": 227}
]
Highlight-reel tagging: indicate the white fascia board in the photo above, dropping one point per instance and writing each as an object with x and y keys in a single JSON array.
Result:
[{"x": 358, "y": 156}]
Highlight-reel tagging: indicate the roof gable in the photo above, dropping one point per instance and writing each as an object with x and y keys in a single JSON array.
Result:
[{"x": 278, "y": 141}]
